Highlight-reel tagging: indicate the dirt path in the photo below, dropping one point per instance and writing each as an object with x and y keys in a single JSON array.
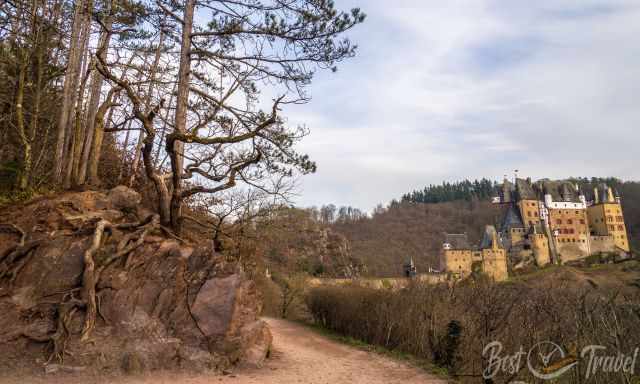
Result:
[
  {"x": 300, "y": 356},
  {"x": 303, "y": 356}
]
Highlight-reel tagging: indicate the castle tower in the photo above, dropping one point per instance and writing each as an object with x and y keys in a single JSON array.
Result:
[{"x": 606, "y": 220}]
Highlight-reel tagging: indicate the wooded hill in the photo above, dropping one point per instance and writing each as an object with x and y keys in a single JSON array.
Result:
[{"x": 404, "y": 230}]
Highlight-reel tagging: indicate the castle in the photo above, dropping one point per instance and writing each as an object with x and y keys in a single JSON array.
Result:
[{"x": 545, "y": 222}]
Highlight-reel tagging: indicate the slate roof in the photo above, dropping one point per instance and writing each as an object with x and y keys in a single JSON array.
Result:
[
  {"x": 511, "y": 219},
  {"x": 561, "y": 190},
  {"x": 457, "y": 240}
]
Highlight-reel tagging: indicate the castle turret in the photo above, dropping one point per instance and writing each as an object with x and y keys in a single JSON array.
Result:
[
  {"x": 610, "y": 198},
  {"x": 595, "y": 196}
]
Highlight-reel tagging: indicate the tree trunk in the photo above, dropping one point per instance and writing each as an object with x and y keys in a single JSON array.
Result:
[
  {"x": 92, "y": 109},
  {"x": 163, "y": 130},
  {"x": 75, "y": 135},
  {"x": 25, "y": 171},
  {"x": 98, "y": 136},
  {"x": 147, "y": 104},
  {"x": 74, "y": 63},
  {"x": 123, "y": 164},
  {"x": 182, "y": 101}
]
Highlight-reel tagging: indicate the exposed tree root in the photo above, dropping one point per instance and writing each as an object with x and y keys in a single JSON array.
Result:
[
  {"x": 15, "y": 229},
  {"x": 169, "y": 233},
  {"x": 89, "y": 279},
  {"x": 16, "y": 257},
  {"x": 66, "y": 310},
  {"x": 92, "y": 273},
  {"x": 14, "y": 260}
]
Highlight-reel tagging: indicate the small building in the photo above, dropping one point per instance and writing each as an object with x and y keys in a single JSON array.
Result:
[{"x": 459, "y": 260}]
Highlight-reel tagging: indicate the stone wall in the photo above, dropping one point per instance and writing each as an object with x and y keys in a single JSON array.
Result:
[
  {"x": 571, "y": 251},
  {"x": 494, "y": 264},
  {"x": 393, "y": 283},
  {"x": 602, "y": 244},
  {"x": 458, "y": 262},
  {"x": 540, "y": 247}
]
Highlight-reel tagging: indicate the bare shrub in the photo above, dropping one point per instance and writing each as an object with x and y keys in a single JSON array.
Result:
[{"x": 451, "y": 325}]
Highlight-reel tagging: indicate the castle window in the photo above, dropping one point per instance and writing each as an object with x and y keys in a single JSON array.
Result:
[
  {"x": 571, "y": 231},
  {"x": 620, "y": 228},
  {"x": 581, "y": 221},
  {"x": 535, "y": 214},
  {"x": 559, "y": 221},
  {"x": 569, "y": 221}
]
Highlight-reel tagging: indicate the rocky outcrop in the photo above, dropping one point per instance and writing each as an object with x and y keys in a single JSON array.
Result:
[
  {"x": 225, "y": 312},
  {"x": 160, "y": 302},
  {"x": 302, "y": 244}
]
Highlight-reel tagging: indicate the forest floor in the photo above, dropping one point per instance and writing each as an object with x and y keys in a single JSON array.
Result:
[{"x": 300, "y": 355}]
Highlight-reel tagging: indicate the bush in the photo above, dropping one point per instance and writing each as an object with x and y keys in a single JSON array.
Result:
[{"x": 450, "y": 326}]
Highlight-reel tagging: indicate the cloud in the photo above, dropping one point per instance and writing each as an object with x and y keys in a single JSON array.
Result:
[{"x": 471, "y": 89}]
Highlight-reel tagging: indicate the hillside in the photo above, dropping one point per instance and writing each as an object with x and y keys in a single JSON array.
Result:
[{"x": 413, "y": 230}]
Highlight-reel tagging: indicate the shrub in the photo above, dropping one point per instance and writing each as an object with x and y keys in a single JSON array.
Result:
[{"x": 450, "y": 326}]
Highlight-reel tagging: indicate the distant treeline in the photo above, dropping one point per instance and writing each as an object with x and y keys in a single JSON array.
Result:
[
  {"x": 485, "y": 189},
  {"x": 467, "y": 190}
]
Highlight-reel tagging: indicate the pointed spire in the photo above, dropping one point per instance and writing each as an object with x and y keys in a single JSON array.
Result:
[
  {"x": 595, "y": 195},
  {"x": 610, "y": 198}
]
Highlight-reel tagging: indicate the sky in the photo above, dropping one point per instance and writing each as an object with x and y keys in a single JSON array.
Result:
[{"x": 448, "y": 90}]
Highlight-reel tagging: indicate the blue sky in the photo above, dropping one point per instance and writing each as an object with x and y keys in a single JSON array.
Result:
[{"x": 444, "y": 90}]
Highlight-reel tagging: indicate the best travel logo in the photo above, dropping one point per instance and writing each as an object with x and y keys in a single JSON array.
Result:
[{"x": 547, "y": 360}]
